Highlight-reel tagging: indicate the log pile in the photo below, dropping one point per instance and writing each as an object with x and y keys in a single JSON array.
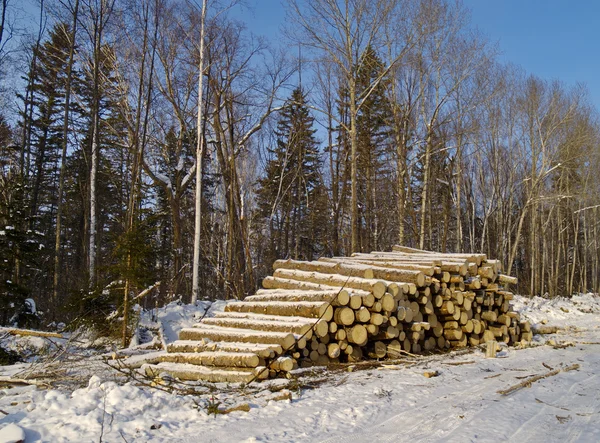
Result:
[{"x": 345, "y": 309}]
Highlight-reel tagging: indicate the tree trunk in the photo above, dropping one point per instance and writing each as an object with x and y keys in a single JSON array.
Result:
[
  {"x": 61, "y": 179},
  {"x": 199, "y": 161}
]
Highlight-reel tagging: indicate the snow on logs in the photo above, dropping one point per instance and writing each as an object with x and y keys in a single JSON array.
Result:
[{"x": 343, "y": 309}]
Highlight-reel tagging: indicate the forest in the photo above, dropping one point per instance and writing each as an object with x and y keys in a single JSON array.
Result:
[{"x": 160, "y": 150}]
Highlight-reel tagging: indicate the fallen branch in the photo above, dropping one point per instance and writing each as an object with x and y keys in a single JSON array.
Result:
[
  {"x": 543, "y": 329},
  {"x": 146, "y": 291},
  {"x": 458, "y": 363},
  {"x": 30, "y": 332},
  {"x": 529, "y": 381},
  {"x": 23, "y": 381}
]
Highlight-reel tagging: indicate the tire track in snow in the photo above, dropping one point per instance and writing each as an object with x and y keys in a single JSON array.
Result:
[
  {"x": 529, "y": 430},
  {"x": 393, "y": 428}
]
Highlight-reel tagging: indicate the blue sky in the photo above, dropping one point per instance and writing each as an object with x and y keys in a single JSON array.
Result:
[{"x": 553, "y": 39}]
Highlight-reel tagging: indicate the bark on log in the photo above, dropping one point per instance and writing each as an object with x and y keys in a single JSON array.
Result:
[
  {"x": 299, "y": 328},
  {"x": 337, "y": 298},
  {"x": 377, "y": 287},
  {"x": 502, "y": 278},
  {"x": 301, "y": 309},
  {"x": 30, "y": 333},
  {"x": 263, "y": 350},
  {"x": 215, "y": 333}
]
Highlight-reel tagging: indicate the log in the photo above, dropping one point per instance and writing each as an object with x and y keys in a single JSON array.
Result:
[
  {"x": 487, "y": 336},
  {"x": 427, "y": 270},
  {"x": 447, "y": 307},
  {"x": 379, "y": 350},
  {"x": 286, "y": 283},
  {"x": 333, "y": 327},
  {"x": 504, "y": 319},
  {"x": 343, "y": 316},
  {"x": 322, "y": 349},
  {"x": 264, "y": 350},
  {"x": 401, "y": 313},
  {"x": 507, "y": 279},
  {"x": 394, "y": 349},
  {"x": 388, "y": 302},
  {"x": 356, "y": 354},
  {"x": 543, "y": 329},
  {"x": 337, "y": 298},
  {"x": 372, "y": 329},
  {"x": 490, "y": 316},
  {"x": 451, "y": 325},
  {"x": 285, "y": 364},
  {"x": 432, "y": 320},
  {"x": 333, "y": 350},
  {"x": 377, "y": 287},
  {"x": 30, "y": 333},
  {"x": 530, "y": 380},
  {"x": 376, "y": 319},
  {"x": 353, "y": 270},
  {"x": 416, "y": 327},
  {"x": 357, "y": 335},
  {"x": 458, "y": 297},
  {"x": 473, "y": 283},
  {"x": 390, "y": 332},
  {"x": 261, "y": 325},
  {"x": 453, "y": 334},
  {"x": 468, "y": 327},
  {"x": 441, "y": 342},
  {"x": 323, "y": 267},
  {"x": 363, "y": 315},
  {"x": 301, "y": 309},
  {"x": 217, "y": 333}
]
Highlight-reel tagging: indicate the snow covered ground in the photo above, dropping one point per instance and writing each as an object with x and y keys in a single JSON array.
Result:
[{"x": 393, "y": 403}]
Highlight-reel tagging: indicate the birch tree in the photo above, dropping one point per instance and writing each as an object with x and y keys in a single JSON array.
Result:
[{"x": 199, "y": 156}]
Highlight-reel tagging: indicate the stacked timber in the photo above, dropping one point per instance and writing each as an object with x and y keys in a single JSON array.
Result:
[{"x": 343, "y": 309}]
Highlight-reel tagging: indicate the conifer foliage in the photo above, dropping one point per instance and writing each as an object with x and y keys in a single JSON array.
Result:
[{"x": 291, "y": 197}]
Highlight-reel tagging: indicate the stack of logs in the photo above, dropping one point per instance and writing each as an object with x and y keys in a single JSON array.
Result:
[{"x": 370, "y": 305}]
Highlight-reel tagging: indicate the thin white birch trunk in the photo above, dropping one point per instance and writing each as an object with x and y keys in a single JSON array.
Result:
[
  {"x": 93, "y": 180},
  {"x": 199, "y": 155}
]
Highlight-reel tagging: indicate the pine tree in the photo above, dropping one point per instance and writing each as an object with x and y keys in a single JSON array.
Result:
[
  {"x": 19, "y": 248},
  {"x": 291, "y": 197},
  {"x": 45, "y": 104},
  {"x": 46, "y": 125},
  {"x": 373, "y": 132}
]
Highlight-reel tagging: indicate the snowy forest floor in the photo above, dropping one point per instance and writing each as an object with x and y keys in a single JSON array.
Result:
[{"x": 80, "y": 397}]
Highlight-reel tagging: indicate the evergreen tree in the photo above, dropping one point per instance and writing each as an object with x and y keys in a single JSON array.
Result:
[
  {"x": 46, "y": 125},
  {"x": 372, "y": 147},
  {"x": 373, "y": 132},
  {"x": 20, "y": 251},
  {"x": 291, "y": 196}
]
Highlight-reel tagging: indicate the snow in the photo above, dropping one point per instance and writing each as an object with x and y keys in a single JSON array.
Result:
[
  {"x": 175, "y": 316},
  {"x": 12, "y": 434},
  {"x": 394, "y": 402}
]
